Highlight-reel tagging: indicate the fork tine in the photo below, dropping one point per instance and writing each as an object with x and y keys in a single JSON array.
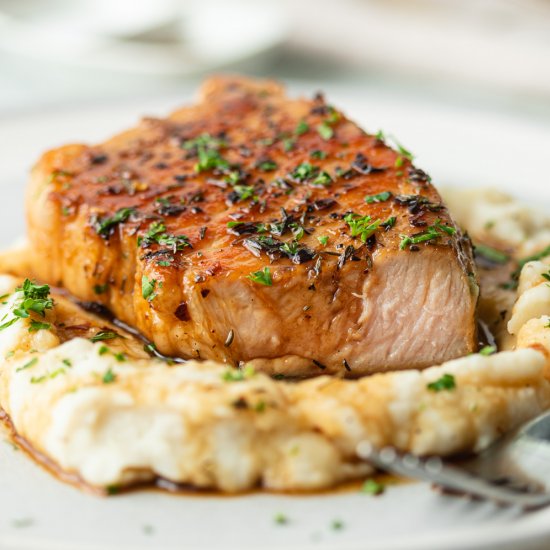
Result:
[{"x": 434, "y": 470}]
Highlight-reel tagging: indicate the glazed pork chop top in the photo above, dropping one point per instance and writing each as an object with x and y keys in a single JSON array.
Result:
[{"x": 252, "y": 227}]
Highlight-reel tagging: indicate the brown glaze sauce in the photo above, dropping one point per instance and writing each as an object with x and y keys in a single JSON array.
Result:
[{"x": 169, "y": 487}]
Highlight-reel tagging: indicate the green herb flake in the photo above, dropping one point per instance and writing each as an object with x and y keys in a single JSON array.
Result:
[
  {"x": 288, "y": 144},
  {"x": 67, "y": 362},
  {"x": 362, "y": 226},
  {"x": 372, "y": 487},
  {"x": 337, "y": 525},
  {"x": 262, "y": 277},
  {"x": 325, "y": 131},
  {"x": 148, "y": 288},
  {"x": 281, "y": 519},
  {"x": 109, "y": 376},
  {"x": 267, "y": 166},
  {"x": 238, "y": 375},
  {"x": 323, "y": 239},
  {"x": 22, "y": 523},
  {"x": 103, "y": 350},
  {"x": 156, "y": 233},
  {"x": 389, "y": 223},
  {"x": 432, "y": 233},
  {"x": 244, "y": 192},
  {"x": 148, "y": 530},
  {"x": 318, "y": 154},
  {"x": 101, "y": 289},
  {"x": 487, "y": 350},
  {"x": 322, "y": 178},
  {"x": 380, "y": 197},
  {"x": 104, "y": 335},
  {"x": 104, "y": 226},
  {"x": 301, "y": 128},
  {"x": 35, "y": 326},
  {"x": 446, "y": 382},
  {"x": 491, "y": 254},
  {"x": 27, "y": 365}
]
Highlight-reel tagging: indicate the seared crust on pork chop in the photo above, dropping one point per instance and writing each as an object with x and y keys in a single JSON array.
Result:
[{"x": 252, "y": 227}]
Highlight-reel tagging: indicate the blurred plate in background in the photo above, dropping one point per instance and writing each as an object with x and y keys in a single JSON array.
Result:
[{"x": 148, "y": 37}]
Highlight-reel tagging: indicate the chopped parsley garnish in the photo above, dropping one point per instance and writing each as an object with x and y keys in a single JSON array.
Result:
[
  {"x": 243, "y": 192},
  {"x": 104, "y": 335},
  {"x": 207, "y": 150},
  {"x": 204, "y": 140},
  {"x": 210, "y": 159},
  {"x": 362, "y": 226},
  {"x": 487, "y": 350},
  {"x": 325, "y": 130},
  {"x": 105, "y": 226},
  {"x": 446, "y": 382},
  {"x": 101, "y": 289},
  {"x": 148, "y": 288},
  {"x": 262, "y": 277},
  {"x": 491, "y": 254},
  {"x": 238, "y": 375},
  {"x": 305, "y": 171},
  {"x": 323, "y": 178},
  {"x": 157, "y": 234},
  {"x": 403, "y": 152},
  {"x": 28, "y": 364},
  {"x": 288, "y": 144},
  {"x": 372, "y": 487},
  {"x": 35, "y": 299},
  {"x": 297, "y": 230},
  {"x": 318, "y": 154},
  {"x": 433, "y": 232},
  {"x": 337, "y": 525},
  {"x": 323, "y": 239},
  {"x": 380, "y": 197},
  {"x": 389, "y": 223},
  {"x": 301, "y": 128},
  {"x": 67, "y": 362},
  {"x": 109, "y": 376},
  {"x": 290, "y": 248},
  {"x": 103, "y": 350},
  {"x": 535, "y": 257},
  {"x": 280, "y": 519},
  {"x": 267, "y": 166},
  {"x": 37, "y": 325}
]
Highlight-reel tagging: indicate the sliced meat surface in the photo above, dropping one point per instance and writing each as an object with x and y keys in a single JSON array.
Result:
[{"x": 251, "y": 227}]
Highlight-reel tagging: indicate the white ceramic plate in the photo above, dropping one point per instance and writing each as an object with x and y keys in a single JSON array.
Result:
[{"x": 36, "y": 511}]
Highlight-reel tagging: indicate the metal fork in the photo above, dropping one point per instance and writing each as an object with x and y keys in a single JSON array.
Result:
[{"x": 515, "y": 470}]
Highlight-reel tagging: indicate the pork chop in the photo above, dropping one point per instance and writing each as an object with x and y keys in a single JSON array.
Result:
[{"x": 252, "y": 227}]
